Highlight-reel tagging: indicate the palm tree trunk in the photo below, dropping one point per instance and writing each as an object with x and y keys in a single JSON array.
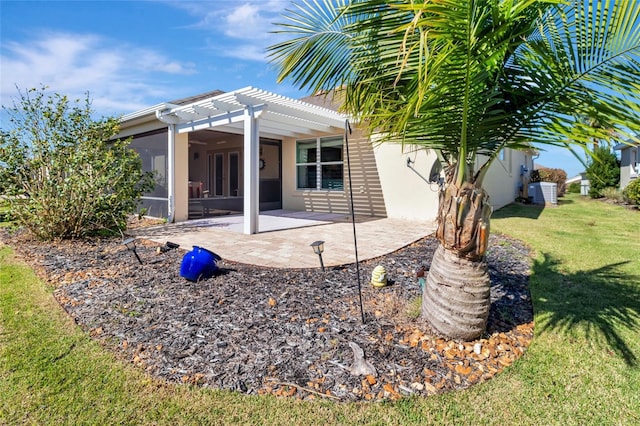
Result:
[{"x": 456, "y": 296}]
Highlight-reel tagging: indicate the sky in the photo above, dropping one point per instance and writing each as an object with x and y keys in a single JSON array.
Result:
[{"x": 129, "y": 55}]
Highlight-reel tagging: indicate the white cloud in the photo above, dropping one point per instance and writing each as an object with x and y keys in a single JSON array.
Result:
[
  {"x": 249, "y": 52},
  {"x": 246, "y": 22},
  {"x": 229, "y": 22},
  {"x": 118, "y": 77}
]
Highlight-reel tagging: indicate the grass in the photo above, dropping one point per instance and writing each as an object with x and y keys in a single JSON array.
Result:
[{"x": 581, "y": 368}]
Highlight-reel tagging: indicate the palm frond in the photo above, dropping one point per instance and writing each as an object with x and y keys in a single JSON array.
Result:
[
  {"x": 584, "y": 62},
  {"x": 318, "y": 54},
  {"x": 473, "y": 76}
]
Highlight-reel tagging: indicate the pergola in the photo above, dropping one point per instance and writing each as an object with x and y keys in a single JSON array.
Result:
[{"x": 251, "y": 112}]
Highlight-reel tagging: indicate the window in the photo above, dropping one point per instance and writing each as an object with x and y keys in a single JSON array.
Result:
[
  {"x": 505, "y": 159},
  {"x": 323, "y": 171},
  {"x": 153, "y": 150}
]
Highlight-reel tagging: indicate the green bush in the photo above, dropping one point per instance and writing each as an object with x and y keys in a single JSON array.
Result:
[
  {"x": 63, "y": 174},
  {"x": 573, "y": 188},
  {"x": 603, "y": 171},
  {"x": 631, "y": 192}
]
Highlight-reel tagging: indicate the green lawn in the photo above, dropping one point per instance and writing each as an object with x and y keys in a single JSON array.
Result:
[{"x": 582, "y": 367}]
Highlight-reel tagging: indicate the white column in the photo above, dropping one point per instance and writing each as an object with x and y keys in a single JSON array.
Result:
[
  {"x": 171, "y": 177},
  {"x": 251, "y": 172}
]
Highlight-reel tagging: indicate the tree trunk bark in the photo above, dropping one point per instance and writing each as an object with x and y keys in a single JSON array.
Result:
[{"x": 456, "y": 296}]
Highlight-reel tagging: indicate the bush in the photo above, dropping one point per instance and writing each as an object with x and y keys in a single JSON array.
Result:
[
  {"x": 573, "y": 188},
  {"x": 558, "y": 176},
  {"x": 63, "y": 174},
  {"x": 534, "y": 176},
  {"x": 631, "y": 192},
  {"x": 603, "y": 171},
  {"x": 613, "y": 194}
]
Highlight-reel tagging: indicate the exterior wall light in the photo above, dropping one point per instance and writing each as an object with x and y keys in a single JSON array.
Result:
[
  {"x": 130, "y": 243},
  {"x": 318, "y": 248}
]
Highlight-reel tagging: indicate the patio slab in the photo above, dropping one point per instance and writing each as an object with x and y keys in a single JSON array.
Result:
[{"x": 285, "y": 237}]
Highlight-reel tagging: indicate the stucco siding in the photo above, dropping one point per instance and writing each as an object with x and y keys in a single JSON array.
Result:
[
  {"x": 505, "y": 180},
  {"x": 408, "y": 194},
  {"x": 629, "y": 158}
]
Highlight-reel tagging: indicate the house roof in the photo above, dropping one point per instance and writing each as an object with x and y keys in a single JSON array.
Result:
[
  {"x": 624, "y": 145},
  {"x": 279, "y": 116},
  {"x": 191, "y": 99}
]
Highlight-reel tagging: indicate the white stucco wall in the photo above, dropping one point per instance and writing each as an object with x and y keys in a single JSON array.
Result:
[
  {"x": 407, "y": 191},
  {"x": 505, "y": 180}
]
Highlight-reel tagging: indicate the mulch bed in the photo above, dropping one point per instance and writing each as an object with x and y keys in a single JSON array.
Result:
[{"x": 286, "y": 332}]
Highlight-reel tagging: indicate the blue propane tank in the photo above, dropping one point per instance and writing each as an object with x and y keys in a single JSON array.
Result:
[{"x": 199, "y": 263}]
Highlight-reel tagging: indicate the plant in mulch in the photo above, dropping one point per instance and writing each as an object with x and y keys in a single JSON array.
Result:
[
  {"x": 613, "y": 194},
  {"x": 62, "y": 173},
  {"x": 631, "y": 192}
]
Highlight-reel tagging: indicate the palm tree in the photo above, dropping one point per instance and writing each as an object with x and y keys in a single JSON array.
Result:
[{"x": 469, "y": 78}]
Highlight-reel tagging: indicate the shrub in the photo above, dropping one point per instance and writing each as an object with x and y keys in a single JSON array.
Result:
[
  {"x": 573, "y": 188},
  {"x": 534, "y": 176},
  {"x": 558, "y": 176},
  {"x": 631, "y": 192},
  {"x": 63, "y": 174},
  {"x": 613, "y": 194},
  {"x": 603, "y": 171}
]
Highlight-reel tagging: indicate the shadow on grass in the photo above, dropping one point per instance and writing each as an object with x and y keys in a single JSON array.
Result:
[
  {"x": 601, "y": 301},
  {"x": 527, "y": 211},
  {"x": 564, "y": 201}
]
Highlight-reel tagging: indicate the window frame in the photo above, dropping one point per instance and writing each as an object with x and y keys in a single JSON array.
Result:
[{"x": 318, "y": 163}]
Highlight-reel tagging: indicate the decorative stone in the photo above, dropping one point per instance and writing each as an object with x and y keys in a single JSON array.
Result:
[
  {"x": 379, "y": 276},
  {"x": 360, "y": 366},
  {"x": 477, "y": 348}
]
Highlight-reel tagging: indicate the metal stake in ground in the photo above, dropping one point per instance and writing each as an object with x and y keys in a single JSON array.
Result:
[{"x": 347, "y": 131}]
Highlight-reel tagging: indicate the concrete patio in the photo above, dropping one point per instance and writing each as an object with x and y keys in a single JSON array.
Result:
[{"x": 284, "y": 237}]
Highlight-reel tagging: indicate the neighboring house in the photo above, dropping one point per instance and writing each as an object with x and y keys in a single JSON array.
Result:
[
  {"x": 629, "y": 162},
  {"x": 250, "y": 150},
  {"x": 575, "y": 179},
  {"x": 582, "y": 180}
]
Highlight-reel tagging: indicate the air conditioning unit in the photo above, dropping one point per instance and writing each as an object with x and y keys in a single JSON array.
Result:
[{"x": 543, "y": 193}]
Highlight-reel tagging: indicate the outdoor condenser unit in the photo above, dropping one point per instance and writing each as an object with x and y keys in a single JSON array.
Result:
[{"x": 543, "y": 193}]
